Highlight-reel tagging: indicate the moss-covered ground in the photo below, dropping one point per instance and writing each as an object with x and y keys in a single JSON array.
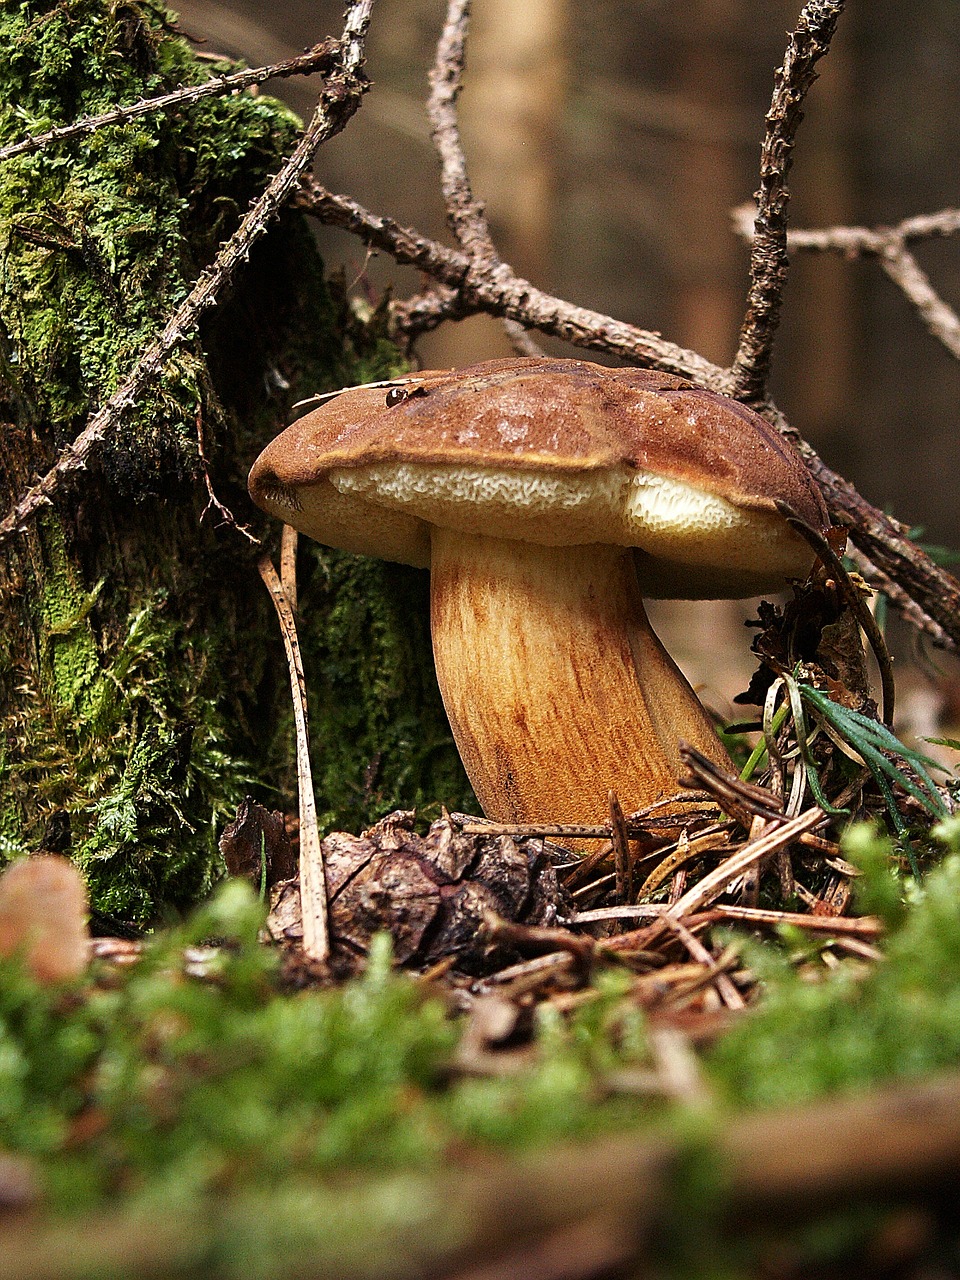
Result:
[{"x": 152, "y": 1090}]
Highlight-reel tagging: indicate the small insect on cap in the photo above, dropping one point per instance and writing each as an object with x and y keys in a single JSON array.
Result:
[{"x": 555, "y": 452}]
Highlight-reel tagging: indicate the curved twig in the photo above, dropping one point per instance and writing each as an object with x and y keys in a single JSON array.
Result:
[{"x": 465, "y": 214}]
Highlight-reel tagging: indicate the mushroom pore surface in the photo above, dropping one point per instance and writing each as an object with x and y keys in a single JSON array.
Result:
[{"x": 545, "y": 496}]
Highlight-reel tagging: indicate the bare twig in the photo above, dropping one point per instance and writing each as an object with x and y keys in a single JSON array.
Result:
[
  {"x": 714, "y": 840},
  {"x": 768, "y": 261},
  {"x": 743, "y": 801},
  {"x": 713, "y": 884},
  {"x": 621, "y": 849},
  {"x": 851, "y": 926},
  {"x": 521, "y": 341},
  {"x": 426, "y": 311},
  {"x": 465, "y": 214},
  {"x": 845, "y": 926},
  {"x": 889, "y": 246},
  {"x": 851, "y": 242},
  {"x": 499, "y": 292},
  {"x": 728, "y": 993},
  {"x": 339, "y": 99},
  {"x": 313, "y": 880},
  {"x": 884, "y": 542},
  {"x": 322, "y": 57},
  {"x": 213, "y": 502},
  {"x": 901, "y": 601},
  {"x": 938, "y": 318},
  {"x": 288, "y": 563}
]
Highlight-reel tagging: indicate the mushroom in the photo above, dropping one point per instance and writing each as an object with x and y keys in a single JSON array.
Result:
[{"x": 547, "y": 497}]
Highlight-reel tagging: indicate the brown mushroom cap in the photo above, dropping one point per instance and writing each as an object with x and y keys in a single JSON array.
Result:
[{"x": 556, "y": 452}]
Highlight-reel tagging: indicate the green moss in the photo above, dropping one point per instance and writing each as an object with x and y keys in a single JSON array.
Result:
[
  {"x": 67, "y": 645},
  {"x": 231, "y": 1104},
  {"x": 224, "y": 1085},
  {"x": 130, "y": 748},
  {"x": 98, "y": 240}
]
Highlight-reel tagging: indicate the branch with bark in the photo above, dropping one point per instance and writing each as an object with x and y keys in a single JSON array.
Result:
[
  {"x": 768, "y": 259},
  {"x": 890, "y": 247}
]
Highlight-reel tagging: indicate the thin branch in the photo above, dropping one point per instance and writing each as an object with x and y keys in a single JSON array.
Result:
[
  {"x": 289, "y": 539},
  {"x": 904, "y": 605},
  {"x": 426, "y": 311},
  {"x": 910, "y": 278},
  {"x": 712, "y": 885},
  {"x": 521, "y": 340},
  {"x": 854, "y": 241},
  {"x": 856, "y": 604},
  {"x": 724, "y": 984},
  {"x": 884, "y": 543},
  {"x": 769, "y": 263},
  {"x": 889, "y": 246},
  {"x": 227, "y": 518},
  {"x": 499, "y": 292},
  {"x": 857, "y": 926},
  {"x": 322, "y": 57},
  {"x": 716, "y": 881},
  {"x": 339, "y": 99},
  {"x": 465, "y": 214}
]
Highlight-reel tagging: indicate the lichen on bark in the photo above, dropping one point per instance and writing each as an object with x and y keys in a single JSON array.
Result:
[{"x": 142, "y": 689}]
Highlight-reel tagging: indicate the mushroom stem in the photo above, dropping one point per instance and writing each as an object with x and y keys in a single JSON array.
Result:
[{"x": 556, "y": 687}]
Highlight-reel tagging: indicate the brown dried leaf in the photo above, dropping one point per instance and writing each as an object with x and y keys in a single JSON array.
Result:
[
  {"x": 257, "y": 835},
  {"x": 816, "y": 628}
]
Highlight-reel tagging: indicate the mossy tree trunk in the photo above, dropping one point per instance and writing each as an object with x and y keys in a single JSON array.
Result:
[{"x": 142, "y": 686}]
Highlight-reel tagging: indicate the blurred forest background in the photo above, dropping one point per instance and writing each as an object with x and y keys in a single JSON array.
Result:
[{"x": 610, "y": 142}]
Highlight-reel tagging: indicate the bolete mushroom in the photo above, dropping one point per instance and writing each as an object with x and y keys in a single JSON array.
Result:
[{"x": 546, "y": 497}]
